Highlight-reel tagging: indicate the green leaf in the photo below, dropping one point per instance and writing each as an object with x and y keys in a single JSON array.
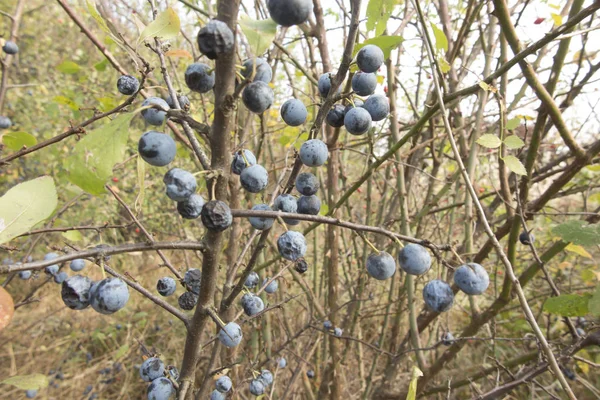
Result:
[
  {"x": 378, "y": 14},
  {"x": 513, "y": 142},
  {"x": 568, "y": 305},
  {"x": 259, "y": 33},
  {"x": 515, "y": 165},
  {"x": 444, "y": 65},
  {"x": 578, "y": 232},
  {"x": 513, "y": 123},
  {"x": 412, "y": 387},
  {"x": 96, "y": 15},
  {"x": 68, "y": 67},
  {"x": 324, "y": 208},
  {"x": 490, "y": 141},
  {"x": 579, "y": 250},
  {"x": 28, "y": 382},
  {"x": 26, "y": 205},
  {"x": 101, "y": 66},
  {"x": 385, "y": 43},
  {"x": 121, "y": 352},
  {"x": 166, "y": 26},
  {"x": 73, "y": 236},
  {"x": 92, "y": 160},
  {"x": 594, "y": 303},
  {"x": 16, "y": 140},
  {"x": 441, "y": 41},
  {"x": 67, "y": 102}
]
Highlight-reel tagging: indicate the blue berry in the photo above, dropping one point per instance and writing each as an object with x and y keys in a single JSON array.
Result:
[
  {"x": 157, "y": 149},
  {"x": 261, "y": 223},
  {"x": 31, "y": 393},
  {"x": 75, "y": 292},
  {"x": 357, "y": 103},
  {"x": 335, "y": 116},
  {"x": 381, "y": 266},
  {"x": 291, "y": 245},
  {"x": 180, "y": 184},
  {"x": 378, "y": 107},
  {"x": 471, "y": 278},
  {"x": 252, "y": 304},
  {"x": 266, "y": 377},
  {"x": 258, "y": 97},
  {"x": 191, "y": 208},
  {"x": 216, "y": 395},
  {"x": 289, "y": 12},
  {"x": 369, "y": 58},
  {"x": 10, "y": 47},
  {"x": 310, "y": 205},
  {"x": 166, "y": 286},
  {"x": 109, "y": 295},
  {"x": 258, "y": 70},
  {"x": 327, "y": 325},
  {"x": 128, "y": 85},
  {"x": 526, "y": 238},
  {"x": 338, "y": 332},
  {"x": 230, "y": 335},
  {"x": 288, "y": 204},
  {"x": 60, "y": 277},
  {"x": 293, "y": 112},
  {"x": 314, "y": 153},
  {"x": 282, "y": 363},
  {"x": 414, "y": 259},
  {"x": 216, "y": 216},
  {"x": 160, "y": 389},
  {"x": 51, "y": 269},
  {"x": 154, "y": 116},
  {"x": 77, "y": 265},
  {"x": 363, "y": 83},
  {"x": 357, "y": 121},
  {"x": 252, "y": 280},
  {"x": 193, "y": 278},
  {"x": 184, "y": 102},
  {"x": 257, "y": 387},
  {"x": 324, "y": 84},
  {"x": 271, "y": 287},
  {"x": 5, "y": 122},
  {"x": 254, "y": 178},
  {"x": 310, "y": 374},
  {"x": 152, "y": 368},
  {"x": 200, "y": 78},
  {"x": 215, "y": 38},
  {"x": 238, "y": 164},
  {"x": 307, "y": 184},
  {"x": 24, "y": 275},
  {"x": 223, "y": 384},
  {"x": 438, "y": 296},
  {"x": 187, "y": 301},
  {"x": 447, "y": 339}
]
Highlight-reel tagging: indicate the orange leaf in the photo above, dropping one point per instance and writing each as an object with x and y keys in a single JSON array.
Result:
[{"x": 179, "y": 53}]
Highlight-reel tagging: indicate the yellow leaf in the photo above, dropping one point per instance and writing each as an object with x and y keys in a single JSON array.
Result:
[
  {"x": 412, "y": 387},
  {"x": 564, "y": 265},
  {"x": 166, "y": 26},
  {"x": 557, "y": 18},
  {"x": 573, "y": 248}
]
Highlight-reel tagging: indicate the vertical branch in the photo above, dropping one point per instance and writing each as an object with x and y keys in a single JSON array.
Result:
[{"x": 220, "y": 160}]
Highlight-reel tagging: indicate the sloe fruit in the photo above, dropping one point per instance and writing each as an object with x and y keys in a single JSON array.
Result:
[
  {"x": 10, "y": 47},
  {"x": 261, "y": 223},
  {"x": 191, "y": 207},
  {"x": 327, "y": 325},
  {"x": 154, "y": 116},
  {"x": 184, "y": 102},
  {"x": 364, "y": 83},
  {"x": 166, "y": 286},
  {"x": 254, "y": 178},
  {"x": 252, "y": 280},
  {"x": 200, "y": 78},
  {"x": 215, "y": 38},
  {"x": 381, "y": 266},
  {"x": 447, "y": 339},
  {"x": 31, "y": 393},
  {"x": 310, "y": 374},
  {"x": 51, "y": 269},
  {"x": 324, "y": 84},
  {"x": 223, "y": 384},
  {"x": 271, "y": 287},
  {"x": 338, "y": 332},
  {"x": 252, "y": 304},
  {"x": 414, "y": 259},
  {"x": 193, "y": 278},
  {"x": 378, "y": 107},
  {"x": 187, "y": 301},
  {"x": 216, "y": 216},
  {"x": 109, "y": 295},
  {"x": 128, "y": 85},
  {"x": 313, "y": 153},
  {"x": 238, "y": 164},
  {"x": 260, "y": 68},
  {"x": 310, "y": 205},
  {"x": 307, "y": 184},
  {"x": 75, "y": 292},
  {"x": 526, "y": 238},
  {"x": 5, "y": 122},
  {"x": 288, "y": 204},
  {"x": 258, "y": 97},
  {"x": 438, "y": 296},
  {"x": 160, "y": 389},
  {"x": 357, "y": 121},
  {"x": 157, "y": 149},
  {"x": 471, "y": 278},
  {"x": 282, "y": 363},
  {"x": 289, "y": 12},
  {"x": 291, "y": 245},
  {"x": 152, "y": 368},
  {"x": 357, "y": 103},
  {"x": 230, "y": 335},
  {"x": 301, "y": 266},
  {"x": 24, "y": 275},
  {"x": 335, "y": 116},
  {"x": 257, "y": 387},
  {"x": 369, "y": 58},
  {"x": 180, "y": 184},
  {"x": 294, "y": 112},
  {"x": 216, "y": 395},
  {"x": 267, "y": 377},
  {"x": 77, "y": 265}
]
